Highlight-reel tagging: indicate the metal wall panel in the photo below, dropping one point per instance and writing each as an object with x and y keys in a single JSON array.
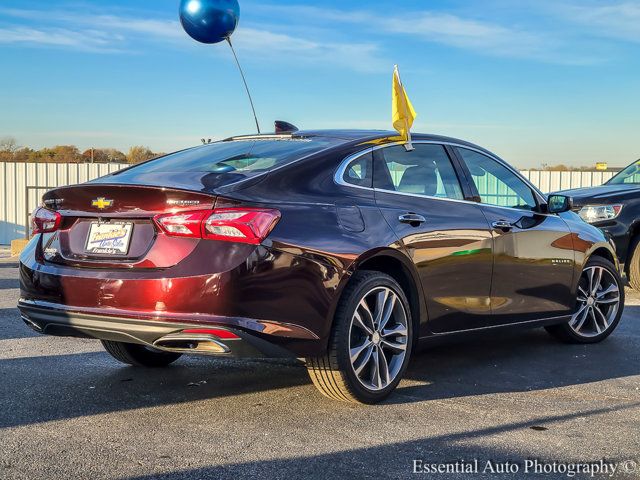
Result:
[{"x": 15, "y": 177}]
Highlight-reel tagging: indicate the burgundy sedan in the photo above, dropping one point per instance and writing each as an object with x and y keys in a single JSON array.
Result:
[{"x": 340, "y": 247}]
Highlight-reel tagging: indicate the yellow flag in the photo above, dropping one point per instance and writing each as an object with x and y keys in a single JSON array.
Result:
[{"x": 402, "y": 111}]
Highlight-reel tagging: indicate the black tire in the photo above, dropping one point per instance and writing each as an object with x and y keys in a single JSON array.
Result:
[
  {"x": 139, "y": 355},
  {"x": 634, "y": 264},
  {"x": 333, "y": 374},
  {"x": 565, "y": 333}
]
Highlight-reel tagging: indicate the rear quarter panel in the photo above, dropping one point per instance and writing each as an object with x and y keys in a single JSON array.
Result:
[{"x": 334, "y": 225}]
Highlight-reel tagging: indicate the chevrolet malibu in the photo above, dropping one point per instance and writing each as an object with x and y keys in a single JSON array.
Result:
[{"x": 341, "y": 247}]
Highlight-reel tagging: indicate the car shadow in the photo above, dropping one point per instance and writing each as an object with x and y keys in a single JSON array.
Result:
[
  {"x": 517, "y": 362},
  {"x": 396, "y": 460},
  {"x": 93, "y": 383},
  {"x": 12, "y": 326}
]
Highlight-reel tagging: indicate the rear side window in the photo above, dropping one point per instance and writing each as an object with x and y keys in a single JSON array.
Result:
[
  {"x": 427, "y": 170},
  {"x": 360, "y": 171},
  {"x": 239, "y": 156}
]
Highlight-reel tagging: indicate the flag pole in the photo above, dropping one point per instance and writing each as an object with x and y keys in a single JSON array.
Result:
[
  {"x": 408, "y": 146},
  {"x": 253, "y": 109}
]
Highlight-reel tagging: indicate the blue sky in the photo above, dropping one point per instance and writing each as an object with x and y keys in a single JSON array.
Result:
[{"x": 535, "y": 81}]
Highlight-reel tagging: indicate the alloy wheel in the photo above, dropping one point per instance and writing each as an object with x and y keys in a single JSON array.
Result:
[
  {"x": 378, "y": 338},
  {"x": 597, "y": 303}
]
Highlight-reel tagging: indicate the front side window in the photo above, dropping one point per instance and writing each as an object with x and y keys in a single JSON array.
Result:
[
  {"x": 496, "y": 184},
  {"x": 427, "y": 170}
]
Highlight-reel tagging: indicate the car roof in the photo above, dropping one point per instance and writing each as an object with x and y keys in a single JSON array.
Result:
[{"x": 378, "y": 137}]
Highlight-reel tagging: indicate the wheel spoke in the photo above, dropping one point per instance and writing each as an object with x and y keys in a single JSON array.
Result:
[
  {"x": 608, "y": 300},
  {"x": 375, "y": 371},
  {"x": 354, "y": 353},
  {"x": 581, "y": 319},
  {"x": 599, "y": 313},
  {"x": 595, "y": 320},
  {"x": 383, "y": 367},
  {"x": 360, "y": 323},
  {"x": 583, "y": 292},
  {"x": 596, "y": 278},
  {"x": 368, "y": 315},
  {"x": 381, "y": 300},
  {"x": 399, "y": 330},
  {"x": 365, "y": 360},
  {"x": 613, "y": 288},
  {"x": 398, "y": 347},
  {"x": 388, "y": 311},
  {"x": 576, "y": 315}
]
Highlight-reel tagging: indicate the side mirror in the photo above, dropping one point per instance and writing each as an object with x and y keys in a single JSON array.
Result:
[{"x": 559, "y": 204}]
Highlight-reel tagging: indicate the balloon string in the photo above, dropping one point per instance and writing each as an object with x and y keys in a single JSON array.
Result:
[{"x": 255, "y": 117}]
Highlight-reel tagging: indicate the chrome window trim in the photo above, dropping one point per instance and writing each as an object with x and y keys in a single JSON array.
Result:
[{"x": 338, "y": 177}]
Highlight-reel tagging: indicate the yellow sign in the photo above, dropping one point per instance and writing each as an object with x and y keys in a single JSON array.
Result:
[
  {"x": 101, "y": 203},
  {"x": 601, "y": 166}
]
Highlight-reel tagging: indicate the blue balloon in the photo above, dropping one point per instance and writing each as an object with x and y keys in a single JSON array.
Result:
[{"x": 209, "y": 21}]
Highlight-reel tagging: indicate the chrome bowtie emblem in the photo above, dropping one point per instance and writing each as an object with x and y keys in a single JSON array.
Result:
[{"x": 101, "y": 203}]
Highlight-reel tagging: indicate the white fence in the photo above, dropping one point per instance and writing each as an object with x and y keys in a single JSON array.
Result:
[
  {"x": 554, "y": 181},
  {"x": 24, "y": 183}
]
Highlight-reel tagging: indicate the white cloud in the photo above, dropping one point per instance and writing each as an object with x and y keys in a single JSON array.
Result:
[
  {"x": 469, "y": 34},
  {"x": 503, "y": 39},
  {"x": 257, "y": 44},
  {"x": 614, "y": 20},
  {"x": 358, "y": 56},
  {"x": 91, "y": 41}
]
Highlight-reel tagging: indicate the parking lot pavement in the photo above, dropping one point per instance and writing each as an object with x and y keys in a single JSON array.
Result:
[{"x": 70, "y": 411}]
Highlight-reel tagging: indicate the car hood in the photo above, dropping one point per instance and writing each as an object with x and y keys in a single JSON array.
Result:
[{"x": 602, "y": 193}]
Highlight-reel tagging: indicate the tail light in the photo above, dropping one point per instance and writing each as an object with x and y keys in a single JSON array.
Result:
[
  {"x": 188, "y": 224},
  {"x": 242, "y": 225},
  {"x": 44, "y": 220}
]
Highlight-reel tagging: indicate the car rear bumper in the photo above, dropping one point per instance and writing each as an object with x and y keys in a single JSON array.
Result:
[
  {"x": 276, "y": 296},
  {"x": 157, "y": 333}
]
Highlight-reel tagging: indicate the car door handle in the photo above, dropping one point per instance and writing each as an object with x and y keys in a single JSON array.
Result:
[
  {"x": 412, "y": 218},
  {"x": 502, "y": 225}
]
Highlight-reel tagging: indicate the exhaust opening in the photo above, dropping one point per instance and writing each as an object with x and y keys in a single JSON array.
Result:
[
  {"x": 205, "y": 344},
  {"x": 31, "y": 324}
]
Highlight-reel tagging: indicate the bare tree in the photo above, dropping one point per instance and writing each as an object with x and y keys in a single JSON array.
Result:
[{"x": 8, "y": 147}]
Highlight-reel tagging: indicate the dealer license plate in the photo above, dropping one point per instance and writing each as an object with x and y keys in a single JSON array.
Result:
[{"x": 109, "y": 238}]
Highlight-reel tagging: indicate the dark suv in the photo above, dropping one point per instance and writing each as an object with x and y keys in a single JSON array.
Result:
[{"x": 615, "y": 208}]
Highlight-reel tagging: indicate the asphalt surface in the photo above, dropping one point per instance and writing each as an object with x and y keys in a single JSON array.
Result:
[{"x": 69, "y": 411}]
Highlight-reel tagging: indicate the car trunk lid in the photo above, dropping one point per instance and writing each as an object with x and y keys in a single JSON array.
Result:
[{"x": 107, "y": 225}]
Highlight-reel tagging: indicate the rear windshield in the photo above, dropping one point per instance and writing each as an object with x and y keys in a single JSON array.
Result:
[{"x": 238, "y": 156}]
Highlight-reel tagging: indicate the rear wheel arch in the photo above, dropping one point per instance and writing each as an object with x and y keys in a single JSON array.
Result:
[{"x": 397, "y": 266}]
